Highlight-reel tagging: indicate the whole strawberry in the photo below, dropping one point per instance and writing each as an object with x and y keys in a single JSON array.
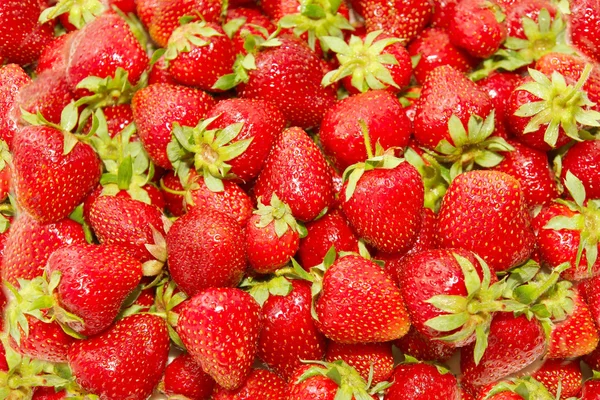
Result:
[
  {"x": 260, "y": 383},
  {"x": 220, "y": 328},
  {"x": 184, "y": 377}
]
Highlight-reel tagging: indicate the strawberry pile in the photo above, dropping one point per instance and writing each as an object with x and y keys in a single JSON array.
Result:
[{"x": 300, "y": 199}]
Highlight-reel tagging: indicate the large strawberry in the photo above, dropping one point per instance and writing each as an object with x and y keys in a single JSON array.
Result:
[
  {"x": 298, "y": 173},
  {"x": 220, "y": 328},
  {"x": 485, "y": 212},
  {"x": 421, "y": 381},
  {"x": 205, "y": 249},
  {"x": 12, "y": 79},
  {"x": 185, "y": 377},
  {"x": 260, "y": 384},
  {"x": 125, "y": 362}
]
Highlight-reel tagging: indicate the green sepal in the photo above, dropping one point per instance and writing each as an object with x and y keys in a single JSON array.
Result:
[
  {"x": 188, "y": 36},
  {"x": 435, "y": 176},
  {"x": 109, "y": 91},
  {"x": 280, "y": 214},
  {"x": 81, "y": 12},
  {"x": 261, "y": 290}
]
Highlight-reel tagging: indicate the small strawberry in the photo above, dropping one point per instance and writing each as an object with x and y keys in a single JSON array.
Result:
[
  {"x": 220, "y": 328},
  {"x": 583, "y": 161},
  {"x": 12, "y": 79},
  {"x": 205, "y": 249},
  {"x": 364, "y": 358},
  {"x": 403, "y": 19},
  {"x": 110, "y": 364},
  {"x": 297, "y": 172},
  {"x": 421, "y": 381},
  {"x": 252, "y": 22},
  {"x": 420, "y": 347},
  {"x": 184, "y": 377},
  {"x": 560, "y": 375},
  {"x": 260, "y": 384}
]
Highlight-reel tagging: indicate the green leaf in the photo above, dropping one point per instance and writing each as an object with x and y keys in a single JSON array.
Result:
[
  {"x": 449, "y": 303},
  {"x": 576, "y": 222},
  {"x": 481, "y": 342},
  {"x": 472, "y": 281},
  {"x": 447, "y": 323},
  {"x": 576, "y": 188}
]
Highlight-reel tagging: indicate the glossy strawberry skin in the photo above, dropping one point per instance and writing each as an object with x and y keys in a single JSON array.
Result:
[
  {"x": 289, "y": 333},
  {"x": 44, "y": 341},
  {"x": 567, "y": 374},
  {"x": 266, "y": 251},
  {"x": 499, "y": 86},
  {"x": 12, "y": 79},
  {"x": 30, "y": 243},
  {"x": 340, "y": 133},
  {"x": 95, "y": 281},
  {"x": 184, "y": 377},
  {"x": 290, "y": 76},
  {"x": 261, "y": 384},
  {"x": 403, "y": 19},
  {"x": 590, "y": 390},
  {"x": 254, "y": 18},
  {"x": 109, "y": 364},
  {"x": 481, "y": 207},
  {"x": 349, "y": 312},
  {"x": 362, "y": 356},
  {"x": 49, "y": 93},
  {"x": 157, "y": 106},
  {"x": 422, "y": 382},
  {"x": 420, "y": 347},
  {"x": 583, "y": 160},
  {"x": 48, "y": 393},
  {"x": 585, "y": 24},
  {"x": 220, "y": 328},
  {"x": 530, "y": 9},
  {"x": 315, "y": 388},
  {"x": 386, "y": 207},
  {"x": 205, "y": 249},
  {"x": 297, "y": 171},
  {"x": 263, "y": 122},
  {"x": 48, "y": 184}
]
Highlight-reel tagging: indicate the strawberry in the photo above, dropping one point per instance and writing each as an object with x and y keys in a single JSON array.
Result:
[
  {"x": 420, "y": 381},
  {"x": 513, "y": 344},
  {"x": 583, "y": 161},
  {"x": 253, "y": 22},
  {"x": 420, "y": 347},
  {"x": 482, "y": 207},
  {"x": 340, "y": 132},
  {"x": 591, "y": 389},
  {"x": 109, "y": 364},
  {"x": 166, "y": 15},
  {"x": 516, "y": 389},
  {"x": 159, "y": 73},
  {"x": 560, "y": 375},
  {"x": 49, "y": 93},
  {"x": 525, "y": 14},
  {"x": 30, "y": 243},
  {"x": 585, "y": 22},
  {"x": 220, "y": 328},
  {"x": 260, "y": 383},
  {"x": 12, "y": 79},
  {"x": 476, "y": 27},
  {"x": 173, "y": 193},
  {"x": 184, "y": 377},
  {"x": 288, "y": 315},
  {"x": 49, "y": 393},
  {"x": 330, "y": 230},
  {"x": 433, "y": 49},
  {"x": 297, "y": 172},
  {"x": 146, "y": 9},
  {"x": 566, "y": 233},
  {"x": 154, "y": 119},
  {"x": 205, "y": 249},
  {"x": 399, "y": 18},
  {"x": 530, "y": 167},
  {"x": 364, "y": 356},
  {"x": 499, "y": 86}
]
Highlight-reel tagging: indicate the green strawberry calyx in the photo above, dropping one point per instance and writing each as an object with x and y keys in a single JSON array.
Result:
[
  {"x": 561, "y": 105},
  {"x": 351, "y": 386},
  {"x": 436, "y": 177},
  {"x": 207, "y": 151},
  {"x": 471, "y": 315},
  {"x": 261, "y": 290},
  {"x": 382, "y": 159},
  {"x": 528, "y": 388},
  {"x": 363, "y": 60},
  {"x": 81, "y": 12},
  {"x": 158, "y": 250},
  {"x": 166, "y": 300},
  {"x": 472, "y": 146},
  {"x": 280, "y": 214},
  {"x": 185, "y": 38},
  {"x": 319, "y": 18},
  {"x": 586, "y": 220}
]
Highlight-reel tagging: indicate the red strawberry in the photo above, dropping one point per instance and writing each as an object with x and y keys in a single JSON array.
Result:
[
  {"x": 30, "y": 243},
  {"x": 558, "y": 373},
  {"x": 513, "y": 344},
  {"x": 220, "y": 328},
  {"x": 12, "y": 79},
  {"x": 515, "y": 389},
  {"x": 49, "y": 93},
  {"x": 418, "y": 346},
  {"x": 174, "y": 194},
  {"x": 349, "y": 312},
  {"x": 260, "y": 384},
  {"x": 530, "y": 12},
  {"x": 205, "y": 249},
  {"x": 49, "y": 393},
  {"x": 420, "y": 381},
  {"x": 583, "y": 161},
  {"x": 254, "y": 20},
  {"x": 289, "y": 333},
  {"x": 487, "y": 207},
  {"x": 363, "y": 357},
  {"x": 184, "y": 377},
  {"x": 146, "y": 9},
  {"x": 434, "y": 49},
  {"x": 590, "y": 390},
  {"x": 157, "y": 107},
  {"x": 109, "y": 364},
  {"x": 297, "y": 172},
  {"x": 159, "y": 73},
  {"x": 499, "y": 86},
  {"x": 403, "y": 19},
  {"x": 585, "y": 23},
  {"x": 341, "y": 135}
]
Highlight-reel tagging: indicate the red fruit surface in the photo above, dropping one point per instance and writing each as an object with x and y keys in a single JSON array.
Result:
[
  {"x": 44, "y": 341},
  {"x": 12, "y": 79},
  {"x": 418, "y": 346},
  {"x": 260, "y": 384},
  {"x": 585, "y": 25},
  {"x": 400, "y": 18},
  {"x": 362, "y": 356},
  {"x": 583, "y": 160},
  {"x": 567, "y": 374},
  {"x": 422, "y": 382},
  {"x": 184, "y": 377}
]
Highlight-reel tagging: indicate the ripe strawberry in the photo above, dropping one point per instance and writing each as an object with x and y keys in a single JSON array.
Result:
[
  {"x": 434, "y": 49},
  {"x": 591, "y": 389},
  {"x": 513, "y": 344},
  {"x": 220, "y": 328},
  {"x": 340, "y": 133},
  {"x": 516, "y": 389},
  {"x": 254, "y": 21},
  {"x": 157, "y": 107},
  {"x": 585, "y": 22},
  {"x": 49, "y": 93},
  {"x": 297, "y": 172},
  {"x": 418, "y": 346},
  {"x": 420, "y": 381},
  {"x": 364, "y": 356},
  {"x": 260, "y": 384},
  {"x": 499, "y": 86},
  {"x": 12, "y": 79},
  {"x": 30, "y": 243},
  {"x": 49, "y": 393},
  {"x": 289, "y": 333},
  {"x": 110, "y": 364},
  {"x": 146, "y": 9},
  {"x": 399, "y": 18},
  {"x": 348, "y": 312},
  {"x": 479, "y": 209},
  {"x": 173, "y": 193},
  {"x": 531, "y": 168},
  {"x": 583, "y": 161},
  {"x": 558, "y": 373},
  {"x": 184, "y": 377},
  {"x": 525, "y": 14},
  {"x": 205, "y": 249}
]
